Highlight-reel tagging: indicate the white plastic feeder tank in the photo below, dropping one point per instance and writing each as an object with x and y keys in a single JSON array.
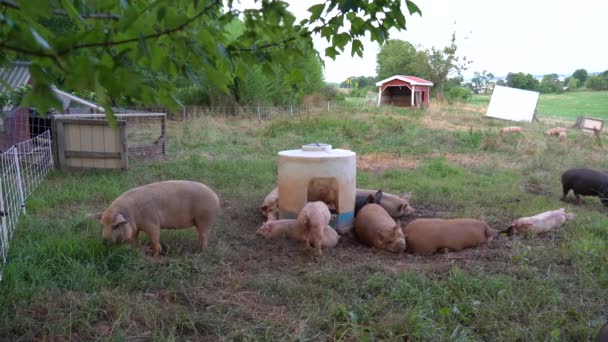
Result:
[{"x": 318, "y": 173}]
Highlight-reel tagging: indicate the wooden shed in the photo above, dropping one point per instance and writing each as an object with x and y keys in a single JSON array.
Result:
[{"x": 404, "y": 91}]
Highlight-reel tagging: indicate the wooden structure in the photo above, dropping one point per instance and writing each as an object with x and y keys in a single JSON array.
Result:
[
  {"x": 588, "y": 124},
  {"x": 89, "y": 144},
  {"x": 404, "y": 91}
]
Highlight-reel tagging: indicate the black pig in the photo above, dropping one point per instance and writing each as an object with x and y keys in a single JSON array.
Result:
[
  {"x": 585, "y": 182},
  {"x": 363, "y": 199}
]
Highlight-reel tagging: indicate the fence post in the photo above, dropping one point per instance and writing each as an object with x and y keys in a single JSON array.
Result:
[
  {"x": 259, "y": 118},
  {"x": 328, "y": 106},
  {"x": 19, "y": 180},
  {"x": 52, "y": 166},
  {"x": 4, "y": 230}
]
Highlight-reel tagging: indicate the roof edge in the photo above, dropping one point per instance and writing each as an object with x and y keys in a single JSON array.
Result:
[{"x": 402, "y": 78}]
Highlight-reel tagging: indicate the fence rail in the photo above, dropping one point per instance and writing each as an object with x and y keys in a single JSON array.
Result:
[
  {"x": 260, "y": 112},
  {"x": 22, "y": 168}
]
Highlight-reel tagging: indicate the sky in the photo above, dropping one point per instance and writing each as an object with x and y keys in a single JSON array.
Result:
[{"x": 500, "y": 36}]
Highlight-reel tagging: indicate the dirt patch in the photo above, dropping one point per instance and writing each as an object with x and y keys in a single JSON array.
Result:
[
  {"x": 380, "y": 162},
  {"x": 462, "y": 158}
]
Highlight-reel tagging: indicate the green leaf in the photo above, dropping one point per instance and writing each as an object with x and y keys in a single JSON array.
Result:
[
  {"x": 73, "y": 14},
  {"x": 357, "y": 48},
  {"x": 400, "y": 19},
  {"x": 331, "y": 52},
  {"x": 316, "y": 11},
  {"x": 412, "y": 7}
]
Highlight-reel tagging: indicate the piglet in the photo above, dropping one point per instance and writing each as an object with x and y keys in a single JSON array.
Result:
[
  {"x": 585, "y": 182},
  {"x": 542, "y": 222},
  {"x": 292, "y": 229},
  {"x": 270, "y": 205},
  {"x": 152, "y": 207},
  {"x": 427, "y": 236},
  {"x": 314, "y": 217},
  {"x": 376, "y": 228},
  {"x": 511, "y": 129},
  {"x": 556, "y": 131},
  {"x": 396, "y": 206}
]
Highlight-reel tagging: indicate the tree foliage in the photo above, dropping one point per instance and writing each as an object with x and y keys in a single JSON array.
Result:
[
  {"x": 444, "y": 62},
  {"x": 522, "y": 81},
  {"x": 581, "y": 75},
  {"x": 482, "y": 81},
  {"x": 139, "y": 49},
  {"x": 597, "y": 82},
  {"x": 551, "y": 84},
  {"x": 398, "y": 57}
]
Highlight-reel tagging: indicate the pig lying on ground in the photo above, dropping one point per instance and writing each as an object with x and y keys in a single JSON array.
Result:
[
  {"x": 314, "y": 217},
  {"x": 542, "y": 222},
  {"x": 362, "y": 199},
  {"x": 427, "y": 236},
  {"x": 270, "y": 206},
  {"x": 375, "y": 227},
  {"x": 152, "y": 207},
  {"x": 511, "y": 129},
  {"x": 293, "y": 230},
  {"x": 395, "y": 206},
  {"x": 585, "y": 182},
  {"x": 562, "y": 136},
  {"x": 555, "y": 131}
]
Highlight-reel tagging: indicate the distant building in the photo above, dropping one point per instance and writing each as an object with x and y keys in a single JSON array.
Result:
[{"x": 404, "y": 91}]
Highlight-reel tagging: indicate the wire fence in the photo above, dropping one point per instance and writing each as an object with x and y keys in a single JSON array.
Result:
[
  {"x": 262, "y": 112},
  {"x": 22, "y": 168}
]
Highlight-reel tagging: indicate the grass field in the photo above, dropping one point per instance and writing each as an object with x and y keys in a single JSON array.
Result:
[
  {"x": 62, "y": 282},
  {"x": 568, "y": 105}
]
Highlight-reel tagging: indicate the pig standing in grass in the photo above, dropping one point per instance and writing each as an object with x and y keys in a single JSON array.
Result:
[
  {"x": 585, "y": 182},
  {"x": 270, "y": 206},
  {"x": 542, "y": 222},
  {"x": 511, "y": 129},
  {"x": 562, "y": 136},
  {"x": 556, "y": 131},
  {"x": 427, "y": 236},
  {"x": 314, "y": 217},
  {"x": 394, "y": 205},
  {"x": 375, "y": 227},
  {"x": 292, "y": 229},
  {"x": 152, "y": 207}
]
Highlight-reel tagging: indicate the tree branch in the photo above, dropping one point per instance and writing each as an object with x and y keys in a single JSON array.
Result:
[
  {"x": 108, "y": 43},
  {"x": 109, "y": 16}
]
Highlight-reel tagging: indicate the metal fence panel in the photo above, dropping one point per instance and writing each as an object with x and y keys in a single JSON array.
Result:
[{"x": 22, "y": 169}]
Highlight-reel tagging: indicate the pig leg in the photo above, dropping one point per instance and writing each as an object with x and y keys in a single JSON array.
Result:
[
  {"x": 202, "y": 226},
  {"x": 579, "y": 201},
  {"x": 566, "y": 189},
  {"x": 135, "y": 239},
  {"x": 154, "y": 234}
]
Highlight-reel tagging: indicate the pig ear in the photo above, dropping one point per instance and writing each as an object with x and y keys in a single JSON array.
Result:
[
  {"x": 406, "y": 196},
  {"x": 96, "y": 216},
  {"x": 378, "y": 196},
  {"x": 119, "y": 219},
  {"x": 370, "y": 198}
]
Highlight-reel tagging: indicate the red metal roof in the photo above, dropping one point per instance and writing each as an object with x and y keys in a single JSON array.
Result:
[{"x": 413, "y": 80}]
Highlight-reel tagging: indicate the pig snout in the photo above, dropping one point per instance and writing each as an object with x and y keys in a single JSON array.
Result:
[{"x": 397, "y": 246}]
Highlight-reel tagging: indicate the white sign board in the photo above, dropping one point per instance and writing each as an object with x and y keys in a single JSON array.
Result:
[{"x": 512, "y": 104}]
